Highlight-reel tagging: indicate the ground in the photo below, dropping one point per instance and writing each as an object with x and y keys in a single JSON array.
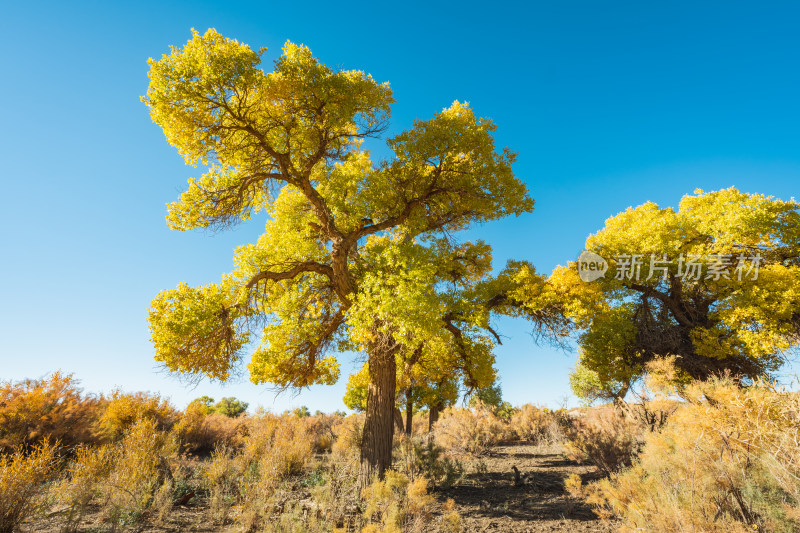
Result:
[
  {"x": 490, "y": 501},
  {"x": 487, "y": 499}
]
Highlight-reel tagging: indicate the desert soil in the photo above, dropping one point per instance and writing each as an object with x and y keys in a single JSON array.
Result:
[{"x": 486, "y": 497}]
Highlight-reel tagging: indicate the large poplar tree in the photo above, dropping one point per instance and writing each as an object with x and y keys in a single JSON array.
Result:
[{"x": 356, "y": 255}]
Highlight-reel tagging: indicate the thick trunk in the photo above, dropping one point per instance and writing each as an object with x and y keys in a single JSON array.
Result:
[
  {"x": 409, "y": 412},
  {"x": 433, "y": 415},
  {"x": 376, "y": 446}
]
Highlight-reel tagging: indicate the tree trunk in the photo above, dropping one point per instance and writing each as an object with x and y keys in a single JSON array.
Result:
[
  {"x": 398, "y": 420},
  {"x": 376, "y": 445},
  {"x": 433, "y": 415},
  {"x": 409, "y": 412}
]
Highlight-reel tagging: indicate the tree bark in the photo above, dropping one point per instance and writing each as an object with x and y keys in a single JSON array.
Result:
[
  {"x": 376, "y": 446},
  {"x": 398, "y": 420},
  {"x": 433, "y": 415},
  {"x": 409, "y": 412}
]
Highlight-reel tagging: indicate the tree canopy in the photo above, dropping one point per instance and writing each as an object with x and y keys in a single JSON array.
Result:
[{"x": 715, "y": 283}]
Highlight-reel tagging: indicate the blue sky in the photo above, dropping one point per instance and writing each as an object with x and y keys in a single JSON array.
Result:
[{"x": 608, "y": 104}]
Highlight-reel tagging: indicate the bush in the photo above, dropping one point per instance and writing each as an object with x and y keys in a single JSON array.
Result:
[
  {"x": 22, "y": 479},
  {"x": 429, "y": 461},
  {"x": 348, "y": 433},
  {"x": 127, "y": 478},
  {"x": 200, "y": 432},
  {"x": 604, "y": 437},
  {"x": 123, "y": 411},
  {"x": 728, "y": 460},
  {"x": 469, "y": 431},
  {"x": 320, "y": 428},
  {"x": 52, "y": 408},
  {"x": 276, "y": 448},
  {"x": 81, "y": 486},
  {"x": 397, "y": 504},
  {"x": 230, "y": 407},
  {"x": 538, "y": 425}
]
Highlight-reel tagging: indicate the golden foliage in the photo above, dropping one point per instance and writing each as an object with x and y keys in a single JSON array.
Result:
[
  {"x": 123, "y": 411},
  {"x": 538, "y": 425},
  {"x": 275, "y": 448},
  {"x": 22, "y": 478},
  {"x": 396, "y": 504},
  {"x": 200, "y": 432},
  {"x": 53, "y": 408},
  {"x": 123, "y": 477}
]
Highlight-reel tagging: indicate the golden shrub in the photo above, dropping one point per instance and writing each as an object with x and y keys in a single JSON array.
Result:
[
  {"x": 604, "y": 437},
  {"x": 22, "y": 479},
  {"x": 727, "y": 460},
  {"x": 469, "y": 431},
  {"x": 123, "y": 477},
  {"x": 275, "y": 448},
  {"x": 82, "y": 484},
  {"x": 320, "y": 428},
  {"x": 397, "y": 504},
  {"x": 348, "y": 432},
  {"x": 52, "y": 408},
  {"x": 122, "y": 411},
  {"x": 200, "y": 432},
  {"x": 537, "y": 425}
]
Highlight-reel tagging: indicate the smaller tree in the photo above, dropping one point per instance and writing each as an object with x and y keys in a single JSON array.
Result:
[
  {"x": 301, "y": 412},
  {"x": 714, "y": 284},
  {"x": 230, "y": 407}
]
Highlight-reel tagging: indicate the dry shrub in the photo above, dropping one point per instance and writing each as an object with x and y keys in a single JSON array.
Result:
[
  {"x": 348, "y": 432},
  {"x": 52, "y": 408},
  {"x": 126, "y": 478},
  {"x": 22, "y": 480},
  {"x": 123, "y": 411},
  {"x": 538, "y": 425},
  {"x": 450, "y": 521},
  {"x": 604, "y": 437},
  {"x": 275, "y": 449},
  {"x": 728, "y": 460},
  {"x": 320, "y": 429},
  {"x": 200, "y": 432},
  {"x": 396, "y": 504},
  {"x": 469, "y": 431},
  {"x": 336, "y": 495},
  {"x": 430, "y": 461},
  {"x": 81, "y": 486}
]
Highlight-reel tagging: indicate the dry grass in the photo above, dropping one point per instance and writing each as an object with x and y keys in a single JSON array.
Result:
[
  {"x": 727, "y": 460},
  {"x": 605, "y": 437},
  {"x": 469, "y": 432}
]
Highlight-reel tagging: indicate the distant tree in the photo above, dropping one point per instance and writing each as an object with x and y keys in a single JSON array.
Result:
[
  {"x": 301, "y": 411},
  {"x": 230, "y": 407}
]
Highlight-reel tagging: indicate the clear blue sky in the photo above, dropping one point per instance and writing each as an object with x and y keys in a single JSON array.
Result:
[{"x": 609, "y": 104}]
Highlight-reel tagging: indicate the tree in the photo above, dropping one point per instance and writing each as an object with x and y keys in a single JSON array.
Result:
[
  {"x": 230, "y": 406},
  {"x": 355, "y": 254},
  {"x": 725, "y": 298},
  {"x": 417, "y": 388}
]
